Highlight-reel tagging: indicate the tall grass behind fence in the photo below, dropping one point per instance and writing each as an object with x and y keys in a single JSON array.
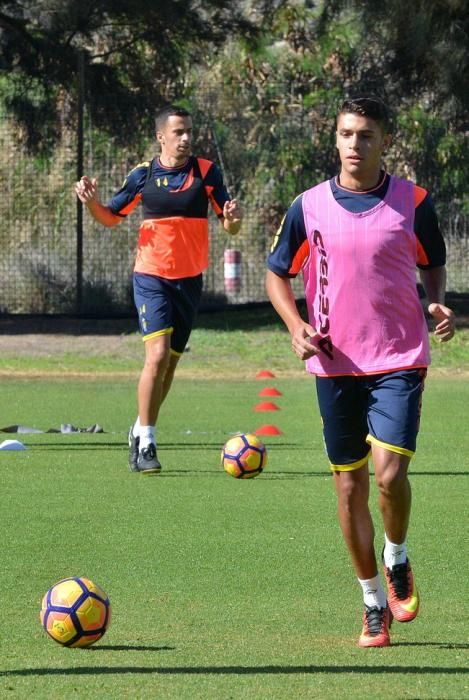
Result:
[
  {"x": 37, "y": 225},
  {"x": 455, "y": 229},
  {"x": 38, "y": 230}
]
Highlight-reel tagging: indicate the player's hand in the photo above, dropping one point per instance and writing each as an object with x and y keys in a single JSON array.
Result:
[
  {"x": 232, "y": 211},
  {"x": 86, "y": 189},
  {"x": 445, "y": 321},
  {"x": 302, "y": 341}
]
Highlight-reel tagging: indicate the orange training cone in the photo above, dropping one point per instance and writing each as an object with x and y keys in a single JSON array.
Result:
[
  {"x": 268, "y": 430},
  {"x": 264, "y": 373},
  {"x": 266, "y": 406},
  {"x": 270, "y": 391}
]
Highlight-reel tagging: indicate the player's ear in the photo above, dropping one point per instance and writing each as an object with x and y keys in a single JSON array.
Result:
[{"x": 386, "y": 142}]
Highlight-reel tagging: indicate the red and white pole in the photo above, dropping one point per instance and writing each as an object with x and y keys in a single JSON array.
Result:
[{"x": 232, "y": 269}]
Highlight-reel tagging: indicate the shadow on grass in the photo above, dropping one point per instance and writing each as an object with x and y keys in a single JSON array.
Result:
[
  {"x": 76, "y": 445},
  {"x": 186, "y": 447},
  {"x": 266, "y": 476},
  {"x": 129, "y": 647},
  {"x": 236, "y": 670},
  {"x": 438, "y": 645},
  {"x": 252, "y": 316},
  {"x": 174, "y": 446},
  {"x": 260, "y": 316}
]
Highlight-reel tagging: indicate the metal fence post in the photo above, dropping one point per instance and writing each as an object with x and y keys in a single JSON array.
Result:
[{"x": 79, "y": 173}]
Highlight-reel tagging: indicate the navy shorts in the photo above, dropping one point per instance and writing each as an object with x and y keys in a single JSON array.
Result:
[
  {"x": 380, "y": 409},
  {"x": 167, "y": 306}
]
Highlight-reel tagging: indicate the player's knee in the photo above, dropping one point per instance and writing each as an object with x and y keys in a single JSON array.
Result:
[
  {"x": 392, "y": 478},
  {"x": 157, "y": 360},
  {"x": 351, "y": 490}
]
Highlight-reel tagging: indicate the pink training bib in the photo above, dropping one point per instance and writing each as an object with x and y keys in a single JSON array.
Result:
[{"x": 360, "y": 284}]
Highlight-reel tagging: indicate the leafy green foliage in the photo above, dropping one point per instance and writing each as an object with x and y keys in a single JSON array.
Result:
[
  {"x": 275, "y": 121},
  {"x": 263, "y": 80},
  {"x": 134, "y": 54},
  {"x": 426, "y": 49}
]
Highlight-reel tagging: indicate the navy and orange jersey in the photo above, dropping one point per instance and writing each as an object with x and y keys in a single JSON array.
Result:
[
  {"x": 290, "y": 248},
  {"x": 173, "y": 236}
]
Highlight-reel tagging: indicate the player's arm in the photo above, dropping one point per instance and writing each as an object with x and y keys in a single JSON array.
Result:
[
  {"x": 228, "y": 210},
  {"x": 434, "y": 284},
  {"x": 288, "y": 254},
  {"x": 232, "y": 216},
  {"x": 87, "y": 192},
  {"x": 281, "y": 295},
  {"x": 431, "y": 261}
]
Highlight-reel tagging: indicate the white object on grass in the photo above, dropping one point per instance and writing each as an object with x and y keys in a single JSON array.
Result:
[{"x": 12, "y": 445}]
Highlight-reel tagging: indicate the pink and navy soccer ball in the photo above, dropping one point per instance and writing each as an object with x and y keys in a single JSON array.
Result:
[
  {"x": 75, "y": 612},
  {"x": 244, "y": 456}
]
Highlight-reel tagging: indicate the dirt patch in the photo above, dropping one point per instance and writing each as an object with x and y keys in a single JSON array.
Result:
[
  {"x": 59, "y": 344},
  {"x": 55, "y": 336}
]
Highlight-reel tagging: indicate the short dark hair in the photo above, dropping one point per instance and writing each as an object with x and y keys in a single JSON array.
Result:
[
  {"x": 169, "y": 111},
  {"x": 368, "y": 106}
]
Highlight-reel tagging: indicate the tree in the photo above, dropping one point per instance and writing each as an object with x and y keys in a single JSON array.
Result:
[
  {"x": 417, "y": 58},
  {"x": 426, "y": 49},
  {"x": 274, "y": 121},
  {"x": 135, "y": 54}
]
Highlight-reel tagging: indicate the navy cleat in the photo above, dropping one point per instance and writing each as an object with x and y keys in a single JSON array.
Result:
[
  {"x": 133, "y": 450},
  {"x": 147, "y": 462}
]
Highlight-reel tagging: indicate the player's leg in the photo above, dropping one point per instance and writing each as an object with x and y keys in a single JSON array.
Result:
[
  {"x": 394, "y": 421},
  {"x": 352, "y": 489},
  {"x": 342, "y": 403},
  {"x": 169, "y": 374},
  {"x": 158, "y": 388},
  {"x": 395, "y": 496},
  {"x": 149, "y": 398},
  {"x": 153, "y": 300},
  {"x": 150, "y": 390},
  {"x": 185, "y": 302},
  {"x": 395, "y": 505},
  {"x": 167, "y": 310}
]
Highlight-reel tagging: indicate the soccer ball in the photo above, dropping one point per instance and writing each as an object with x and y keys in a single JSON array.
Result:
[
  {"x": 244, "y": 456},
  {"x": 75, "y": 612}
]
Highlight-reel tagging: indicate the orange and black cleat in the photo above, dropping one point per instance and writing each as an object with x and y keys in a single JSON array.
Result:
[
  {"x": 403, "y": 597},
  {"x": 376, "y": 624}
]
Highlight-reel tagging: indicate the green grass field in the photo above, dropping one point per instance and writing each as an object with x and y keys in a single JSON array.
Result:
[{"x": 220, "y": 588}]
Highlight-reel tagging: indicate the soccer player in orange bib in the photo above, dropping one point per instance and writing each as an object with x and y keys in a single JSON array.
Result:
[{"x": 175, "y": 189}]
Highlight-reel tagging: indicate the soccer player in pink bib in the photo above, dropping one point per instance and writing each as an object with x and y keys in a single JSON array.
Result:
[{"x": 357, "y": 239}]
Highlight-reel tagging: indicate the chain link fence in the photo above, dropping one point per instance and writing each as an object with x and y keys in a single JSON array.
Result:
[{"x": 57, "y": 260}]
